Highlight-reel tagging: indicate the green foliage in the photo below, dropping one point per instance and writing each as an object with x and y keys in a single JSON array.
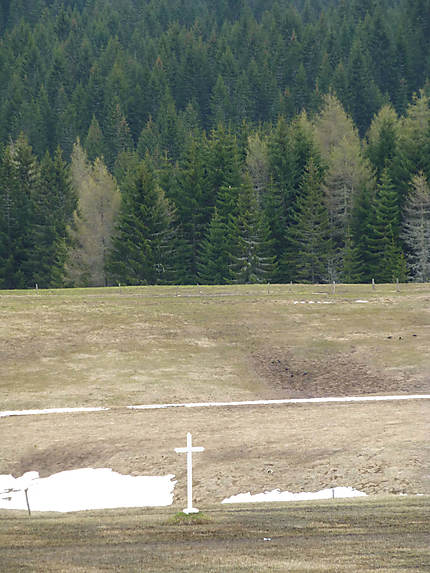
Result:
[
  {"x": 220, "y": 124},
  {"x": 141, "y": 249},
  {"x": 309, "y": 237}
]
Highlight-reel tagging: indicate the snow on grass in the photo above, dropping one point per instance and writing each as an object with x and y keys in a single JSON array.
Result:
[
  {"x": 278, "y": 495},
  {"x": 84, "y": 489},
  {"x": 283, "y": 401},
  {"x": 6, "y": 413}
]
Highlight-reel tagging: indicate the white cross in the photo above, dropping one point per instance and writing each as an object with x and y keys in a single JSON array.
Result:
[{"x": 189, "y": 451}]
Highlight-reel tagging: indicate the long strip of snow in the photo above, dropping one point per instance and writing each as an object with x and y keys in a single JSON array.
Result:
[
  {"x": 84, "y": 489},
  {"x": 6, "y": 413},
  {"x": 278, "y": 495},
  {"x": 284, "y": 401}
]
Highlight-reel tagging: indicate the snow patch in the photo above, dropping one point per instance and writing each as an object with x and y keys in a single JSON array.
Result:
[
  {"x": 278, "y": 495},
  {"x": 361, "y": 301},
  {"x": 6, "y": 413},
  {"x": 84, "y": 489},
  {"x": 281, "y": 401}
]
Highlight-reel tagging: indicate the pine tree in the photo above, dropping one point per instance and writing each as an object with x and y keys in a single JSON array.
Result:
[
  {"x": 190, "y": 209},
  {"x": 383, "y": 139},
  {"x": 416, "y": 228},
  {"x": 215, "y": 259},
  {"x": 253, "y": 260},
  {"x": 54, "y": 203},
  {"x": 19, "y": 178},
  {"x": 363, "y": 96},
  {"x": 94, "y": 142},
  {"x": 141, "y": 248},
  {"x": 386, "y": 260},
  {"x": 309, "y": 238}
]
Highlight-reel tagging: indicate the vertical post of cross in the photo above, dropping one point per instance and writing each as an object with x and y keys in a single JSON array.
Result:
[{"x": 189, "y": 451}]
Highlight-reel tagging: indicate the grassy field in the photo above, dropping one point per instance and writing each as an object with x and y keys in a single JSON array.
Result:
[
  {"x": 364, "y": 535},
  {"x": 116, "y": 347},
  {"x": 152, "y": 344}
]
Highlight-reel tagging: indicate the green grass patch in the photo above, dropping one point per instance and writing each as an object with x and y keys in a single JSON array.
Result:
[{"x": 182, "y": 518}]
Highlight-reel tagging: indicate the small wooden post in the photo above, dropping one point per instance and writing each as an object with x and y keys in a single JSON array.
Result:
[
  {"x": 268, "y": 288},
  {"x": 28, "y": 503},
  {"x": 373, "y": 284},
  {"x": 397, "y": 285},
  {"x": 334, "y": 287}
]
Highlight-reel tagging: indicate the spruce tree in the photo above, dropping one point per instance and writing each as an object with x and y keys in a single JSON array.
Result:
[
  {"x": 141, "y": 248},
  {"x": 253, "y": 259},
  {"x": 215, "y": 261},
  {"x": 386, "y": 259},
  {"x": 19, "y": 179},
  {"x": 308, "y": 238},
  {"x": 416, "y": 229},
  {"x": 54, "y": 203}
]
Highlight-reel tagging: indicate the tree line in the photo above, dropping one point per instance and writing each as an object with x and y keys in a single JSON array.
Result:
[
  {"x": 306, "y": 200},
  {"x": 182, "y": 142}
]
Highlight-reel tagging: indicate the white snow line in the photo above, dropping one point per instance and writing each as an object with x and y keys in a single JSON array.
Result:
[
  {"x": 7, "y": 413},
  {"x": 282, "y": 401}
]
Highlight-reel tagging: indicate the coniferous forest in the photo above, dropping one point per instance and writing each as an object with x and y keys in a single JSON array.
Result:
[{"x": 214, "y": 142}]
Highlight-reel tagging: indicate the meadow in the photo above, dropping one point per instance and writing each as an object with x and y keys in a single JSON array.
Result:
[{"x": 116, "y": 347}]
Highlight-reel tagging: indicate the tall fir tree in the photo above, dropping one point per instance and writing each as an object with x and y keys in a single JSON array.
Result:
[
  {"x": 54, "y": 203},
  {"x": 416, "y": 228},
  {"x": 253, "y": 258},
  {"x": 309, "y": 238},
  {"x": 141, "y": 247},
  {"x": 19, "y": 179},
  {"x": 386, "y": 259},
  {"x": 215, "y": 261}
]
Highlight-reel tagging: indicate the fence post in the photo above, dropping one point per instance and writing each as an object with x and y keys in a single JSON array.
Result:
[{"x": 28, "y": 504}]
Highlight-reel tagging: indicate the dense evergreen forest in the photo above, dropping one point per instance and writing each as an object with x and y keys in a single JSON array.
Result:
[{"x": 213, "y": 142}]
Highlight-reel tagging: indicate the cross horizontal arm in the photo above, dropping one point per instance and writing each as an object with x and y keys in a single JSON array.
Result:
[{"x": 186, "y": 450}]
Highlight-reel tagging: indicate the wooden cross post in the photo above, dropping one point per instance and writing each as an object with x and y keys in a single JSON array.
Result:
[{"x": 189, "y": 451}]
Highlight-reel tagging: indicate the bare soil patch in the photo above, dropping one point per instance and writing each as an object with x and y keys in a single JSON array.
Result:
[{"x": 333, "y": 375}]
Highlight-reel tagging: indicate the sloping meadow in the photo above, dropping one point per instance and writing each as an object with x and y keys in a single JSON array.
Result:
[{"x": 116, "y": 347}]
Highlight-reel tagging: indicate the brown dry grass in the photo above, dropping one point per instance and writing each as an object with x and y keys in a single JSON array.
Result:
[
  {"x": 141, "y": 345},
  {"x": 375, "y": 447},
  {"x": 115, "y": 347}
]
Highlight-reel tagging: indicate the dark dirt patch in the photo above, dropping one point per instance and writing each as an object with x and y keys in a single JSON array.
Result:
[{"x": 338, "y": 375}]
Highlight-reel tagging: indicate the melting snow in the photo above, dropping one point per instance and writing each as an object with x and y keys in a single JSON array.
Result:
[
  {"x": 278, "y": 495},
  {"x": 6, "y": 413},
  {"x": 86, "y": 488},
  {"x": 283, "y": 401}
]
